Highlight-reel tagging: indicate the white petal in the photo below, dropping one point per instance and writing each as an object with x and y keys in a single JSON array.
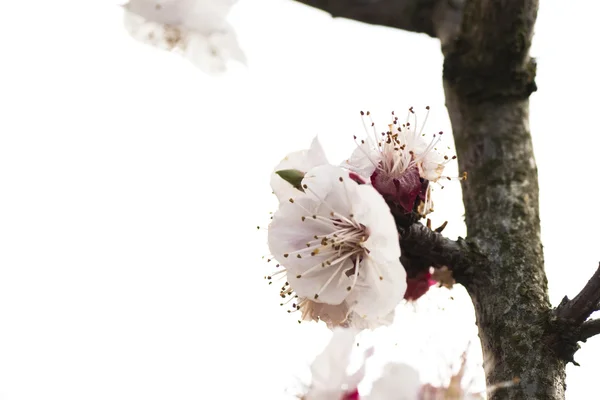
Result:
[
  {"x": 202, "y": 16},
  {"x": 382, "y": 280},
  {"x": 332, "y": 186},
  {"x": 226, "y": 42},
  {"x": 376, "y": 298},
  {"x": 374, "y": 213},
  {"x": 364, "y": 159},
  {"x": 398, "y": 382},
  {"x": 201, "y": 51},
  {"x": 310, "y": 285},
  {"x": 288, "y": 233},
  {"x": 302, "y": 160},
  {"x": 432, "y": 166},
  {"x": 329, "y": 368}
]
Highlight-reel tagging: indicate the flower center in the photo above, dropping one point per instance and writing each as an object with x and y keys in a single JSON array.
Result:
[{"x": 341, "y": 250}]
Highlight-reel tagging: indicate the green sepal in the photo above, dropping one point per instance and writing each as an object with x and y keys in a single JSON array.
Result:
[{"x": 293, "y": 177}]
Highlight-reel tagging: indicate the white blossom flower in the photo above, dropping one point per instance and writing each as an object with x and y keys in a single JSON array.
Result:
[
  {"x": 400, "y": 162},
  {"x": 196, "y": 28},
  {"x": 301, "y": 161},
  {"x": 397, "y": 382},
  {"x": 329, "y": 370},
  {"x": 339, "y": 245}
]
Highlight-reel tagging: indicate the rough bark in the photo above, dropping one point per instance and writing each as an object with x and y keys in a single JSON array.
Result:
[
  {"x": 579, "y": 309},
  {"x": 488, "y": 77}
]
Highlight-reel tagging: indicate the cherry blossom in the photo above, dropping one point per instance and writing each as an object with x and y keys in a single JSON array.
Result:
[
  {"x": 400, "y": 162},
  {"x": 339, "y": 246},
  {"x": 198, "y": 29}
]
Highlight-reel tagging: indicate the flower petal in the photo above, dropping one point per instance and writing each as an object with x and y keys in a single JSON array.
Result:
[
  {"x": 333, "y": 315},
  {"x": 374, "y": 297},
  {"x": 398, "y": 382},
  {"x": 302, "y": 160},
  {"x": 329, "y": 285},
  {"x": 329, "y": 368},
  {"x": 288, "y": 232},
  {"x": 364, "y": 159},
  {"x": 374, "y": 213}
]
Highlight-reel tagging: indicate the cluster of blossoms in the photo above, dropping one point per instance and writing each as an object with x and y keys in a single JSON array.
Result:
[
  {"x": 334, "y": 235},
  {"x": 335, "y": 240},
  {"x": 398, "y": 381},
  {"x": 198, "y": 29}
]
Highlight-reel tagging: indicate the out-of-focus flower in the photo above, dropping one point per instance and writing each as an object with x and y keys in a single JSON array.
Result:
[
  {"x": 198, "y": 29},
  {"x": 330, "y": 378},
  {"x": 398, "y": 382},
  {"x": 339, "y": 245}
]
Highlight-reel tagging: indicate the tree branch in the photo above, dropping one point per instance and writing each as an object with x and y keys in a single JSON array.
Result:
[
  {"x": 588, "y": 329},
  {"x": 579, "y": 309},
  {"x": 436, "y": 18},
  {"x": 490, "y": 57},
  {"x": 423, "y": 248}
]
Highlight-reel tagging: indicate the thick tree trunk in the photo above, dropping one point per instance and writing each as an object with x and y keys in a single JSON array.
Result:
[
  {"x": 501, "y": 203},
  {"x": 488, "y": 77}
]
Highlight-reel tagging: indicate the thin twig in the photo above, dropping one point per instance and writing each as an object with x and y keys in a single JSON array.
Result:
[
  {"x": 579, "y": 309},
  {"x": 589, "y": 328}
]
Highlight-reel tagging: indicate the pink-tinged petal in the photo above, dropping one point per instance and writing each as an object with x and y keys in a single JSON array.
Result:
[
  {"x": 418, "y": 286},
  {"x": 352, "y": 395}
]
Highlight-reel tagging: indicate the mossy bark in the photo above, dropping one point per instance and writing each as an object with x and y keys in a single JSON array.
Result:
[{"x": 509, "y": 291}]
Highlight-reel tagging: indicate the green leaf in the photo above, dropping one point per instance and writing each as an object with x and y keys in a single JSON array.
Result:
[{"x": 292, "y": 176}]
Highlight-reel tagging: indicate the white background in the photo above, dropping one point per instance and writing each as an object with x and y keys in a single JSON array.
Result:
[{"x": 131, "y": 185}]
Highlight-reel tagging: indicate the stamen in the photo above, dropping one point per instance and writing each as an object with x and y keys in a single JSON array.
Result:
[{"x": 424, "y": 122}]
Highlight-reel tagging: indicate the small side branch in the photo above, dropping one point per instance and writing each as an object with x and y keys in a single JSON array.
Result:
[
  {"x": 588, "y": 329},
  {"x": 423, "y": 248},
  {"x": 570, "y": 326},
  {"x": 579, "y": 309}
]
